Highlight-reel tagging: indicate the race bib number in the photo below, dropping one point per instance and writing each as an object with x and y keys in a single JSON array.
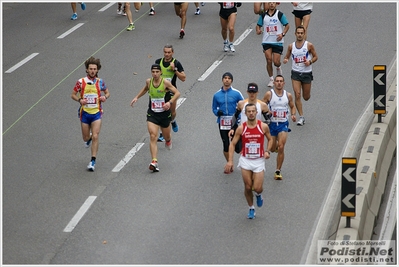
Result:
[
  {"x": 225, "y": 122},
  {"x": 168, "y": 79},
  {"x": 271, "y": 29},
  {"x": 157, "y": 104},
  {"x": 279, "y": 115},
  {"x": 252, "y": 150},
  {"x": 91, "y": 100},
  {"x": 300, "y": 61},
  {"x": 228, "y": 5}
]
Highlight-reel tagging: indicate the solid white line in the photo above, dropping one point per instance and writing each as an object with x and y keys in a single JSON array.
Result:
[
  {"x": 69, "y": 31},
  {"x": 79, "y": 215},
  {"x": 106, "y": 7},
  {"x": 128, "y": 157},
  {"x": 16, "y": 66},
  {"x": 209, "y": 70},
  {"x": 242, "y": 37}
]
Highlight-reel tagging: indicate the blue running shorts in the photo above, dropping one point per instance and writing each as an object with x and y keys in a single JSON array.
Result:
[
  {"x": 89, "y": 118},
  {"x": 276, "y": 128}
]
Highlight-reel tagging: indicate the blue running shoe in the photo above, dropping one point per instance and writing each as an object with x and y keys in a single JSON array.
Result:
[
  {"x": 175, "y": 127},
  {"x": 91, "y": 165},
  {"x": 259, "y": 200},
  {"x": 251, "y": 214},
  {"x": 74, "y": 16},
  {"x": 160, "y": 138},
  {"x": 87, "y": 144},
  {"x": 83, "y": 6}
]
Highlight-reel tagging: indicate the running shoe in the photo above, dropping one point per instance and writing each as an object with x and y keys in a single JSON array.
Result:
[
  {"x": 87, "y": 144},
  {"x": 182, "y": 33},
  {"x": 168, "y": 144},
  {"x": 231, "y": 46},
  {"x": 91, "y": 165},
  {"x": 154, "y": 166},
  {"x": 278, "y": 70},
  {"x": 226, "y": 47},
  {"x": 119, "y": 11},
  {"x": 278, "y": 176},
  {"x": 160, "y": 138},
  {"x": 259, "y": 200},
  {"x": 251, "y": 214},
  {"x": 74, "y": 16},
  {"x": 152, "y": 12},
  {"x": 202, "y": 3},
  {"x": 175, "y": 127},
  {"x": 83, "y": 6},
  {"x": 271, "y": 82},
  {"x": 197, "y": 12},
  {"x": 301, "y": 121},
  {"x": 130, "y": 27}
]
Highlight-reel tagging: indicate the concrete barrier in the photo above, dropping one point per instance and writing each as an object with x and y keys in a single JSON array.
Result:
[
  {"x": 372, "y": 172},
  {"x": 374, "y": 145}
]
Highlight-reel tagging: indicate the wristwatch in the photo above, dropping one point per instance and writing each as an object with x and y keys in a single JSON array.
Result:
[{"x": 283, "y": 34}]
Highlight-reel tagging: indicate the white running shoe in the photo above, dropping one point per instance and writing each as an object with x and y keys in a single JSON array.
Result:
[
  {"x": 91, "y": 165},
  {"x": 301, "y": 121},
  {"x": 226, "y": 47},
  {"x": 278, "y": 70},
  {"x": 231, "y": 46},
  {"x": 271, "y": 82}
]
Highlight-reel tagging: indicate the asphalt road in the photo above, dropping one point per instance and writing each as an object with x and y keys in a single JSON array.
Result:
[{"x": 189, "y": 212}]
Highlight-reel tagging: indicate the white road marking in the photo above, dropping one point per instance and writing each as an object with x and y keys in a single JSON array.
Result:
[
  {"x": 138, "y": 146},
  {"x": 217, "y": 62},
  {"x": 81, "y": 212},
  {"x": 180, "y": 101},
  {"x": 242, "y": 37},
  {"x": 16, "y": 66},
  {"x": 69, "y": 31},
  {"x": 209, "y": 70},
  {"x": 106, "y": 7},
  {"x": 128, "y": 157}
]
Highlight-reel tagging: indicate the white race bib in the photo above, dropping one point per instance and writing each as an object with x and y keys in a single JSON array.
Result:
[
  {"x": 91, "y": 100},
  {"x": 157, "y": 104},
  {"x": 279, "y": 115},
  {"x": 228, "y": 5},
  {"x": 252, "y": 150},
  {"x": 226, "y": 122}
]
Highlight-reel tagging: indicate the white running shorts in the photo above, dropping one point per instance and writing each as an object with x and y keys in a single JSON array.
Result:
[{"x": 254, "y": 165}]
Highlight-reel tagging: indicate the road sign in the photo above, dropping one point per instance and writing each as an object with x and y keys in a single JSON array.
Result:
[
  {"x": 348, "y": 189},
  {"x": 380, "y": 89}
]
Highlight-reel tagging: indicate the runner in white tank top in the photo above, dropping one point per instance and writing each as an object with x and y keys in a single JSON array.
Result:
[{"x": 303, "y": 55}]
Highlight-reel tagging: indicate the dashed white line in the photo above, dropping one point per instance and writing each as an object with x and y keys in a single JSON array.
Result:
[
  {"x": 217, "y": 62},
  {"x": 69, "y": 31},
  {"x": 79, "y": 215},
  {"x": 16, "y": 66},
  {"x": 242, "y": 37},
  {"x": 128, "y": 157},
  {"x": 138, "y": 146},
  {"x": 106, "y": 7},
  {"x": 209, "y": 70}
]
